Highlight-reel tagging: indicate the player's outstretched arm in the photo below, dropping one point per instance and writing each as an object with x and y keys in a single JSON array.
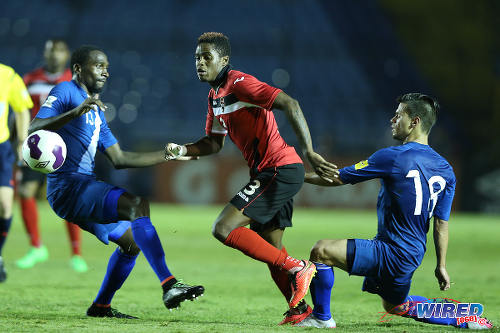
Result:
[
  {"x": 56, "y": 122},
  {"x": 294, "y": 114},
  {"x": 205, "y": 146},
  {"x": 313, "y": 178},
  {"x": 127, "y": 159},
  {"x": 441, "y": 243}
]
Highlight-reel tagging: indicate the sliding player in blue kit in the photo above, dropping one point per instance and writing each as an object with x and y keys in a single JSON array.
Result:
[
  {"x": 417, "y": 184},
  {"x": 74, "y": 111}
]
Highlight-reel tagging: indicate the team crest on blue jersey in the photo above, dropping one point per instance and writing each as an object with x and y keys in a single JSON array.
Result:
[
  {"x": 361, "y": 165},
  {"x": 48, "y": 102}
]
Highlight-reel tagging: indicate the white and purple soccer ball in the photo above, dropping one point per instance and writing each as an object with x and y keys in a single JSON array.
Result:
[{"x": 44, "y": 151}]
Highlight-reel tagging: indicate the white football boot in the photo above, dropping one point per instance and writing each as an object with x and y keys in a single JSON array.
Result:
[{"x": 312, "y": 321}]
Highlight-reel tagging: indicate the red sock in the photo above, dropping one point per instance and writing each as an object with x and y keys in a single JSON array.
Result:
[
  {"x": 254, "y": 246},
  {"x": 74, "y": 237},
  {"x": 29, "y": 212},
  {"x": 280, "y": 277}
]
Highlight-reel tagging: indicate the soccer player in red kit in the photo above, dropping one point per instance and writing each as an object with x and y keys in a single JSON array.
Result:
[
  {"x": 240, "y": 106},
  {"x": 39, "y": 83}
]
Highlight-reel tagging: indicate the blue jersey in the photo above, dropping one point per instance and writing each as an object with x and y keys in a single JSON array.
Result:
[
  {"x": 82, "y": 135},
  {"x": 417, "y": 183}
]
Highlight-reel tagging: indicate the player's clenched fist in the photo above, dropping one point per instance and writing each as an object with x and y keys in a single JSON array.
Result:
[{"x": 174, "y": 151}]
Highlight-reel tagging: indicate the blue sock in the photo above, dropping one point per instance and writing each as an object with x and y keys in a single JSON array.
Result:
[
  {"x": 412, "y": 313},
  {"x": 321, "y": 290},
  {"x": 147, "y": 239},
  {"x": 4, "y": 230},
  {"x": 119, "y": 267}
]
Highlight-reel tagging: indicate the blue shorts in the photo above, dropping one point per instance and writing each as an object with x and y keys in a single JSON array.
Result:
[
  {"x": 384, "y": 267},
  {"x": 89, "y": 203},
  {"x": 7, "y": 159}
]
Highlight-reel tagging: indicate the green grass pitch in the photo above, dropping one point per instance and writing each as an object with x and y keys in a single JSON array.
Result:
[{"x": 240, "y": 295}]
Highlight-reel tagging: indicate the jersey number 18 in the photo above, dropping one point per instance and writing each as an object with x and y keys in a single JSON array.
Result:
[{"x": 415, "y": 174}]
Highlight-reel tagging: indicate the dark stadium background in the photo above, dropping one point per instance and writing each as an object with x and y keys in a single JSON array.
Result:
[{"x": 345, "y": 61}]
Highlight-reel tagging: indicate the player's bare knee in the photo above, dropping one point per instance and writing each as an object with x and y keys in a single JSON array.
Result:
[
  {"x": 318, "y": 252},
  {"x": 28, "y": 189},
  {"x": 217, "y": 232},
  {"x": 139, "y": 207},
  {"x": 23, "y": 192},
  {"x": 5, "y": 209},
  {"x": 221, "y": 230}
]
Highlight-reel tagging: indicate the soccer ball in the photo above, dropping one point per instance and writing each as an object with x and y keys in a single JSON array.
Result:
[{"x": 44, "y": 151}]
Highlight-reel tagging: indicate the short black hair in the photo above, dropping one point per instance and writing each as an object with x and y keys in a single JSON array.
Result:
[
  {"x": 422, "y": 106},
  {"x": 81, "y": 55},
  {"x": 219, "y": 40}
]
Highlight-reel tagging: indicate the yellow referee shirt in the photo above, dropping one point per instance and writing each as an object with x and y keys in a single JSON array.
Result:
[{"x": 13, "y": 92}]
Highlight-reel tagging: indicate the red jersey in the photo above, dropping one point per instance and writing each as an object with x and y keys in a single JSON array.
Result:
[
  {"x": 40, "y": 83},
  {"x": 241, "y": 107}
]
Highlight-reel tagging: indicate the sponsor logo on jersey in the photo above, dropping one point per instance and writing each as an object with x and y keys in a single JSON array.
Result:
[
  {"x": 49, "y": 101},
  {"x": 361, "y": 165},
  {"x": 222, "y": 104},
  {"x": 243, "y": 196},
  {"x": 239, "y": 79}
]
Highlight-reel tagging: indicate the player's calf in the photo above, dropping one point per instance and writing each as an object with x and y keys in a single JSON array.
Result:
[{"x": 331, "y": 252}]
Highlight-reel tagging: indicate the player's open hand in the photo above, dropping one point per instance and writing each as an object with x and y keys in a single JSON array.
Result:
[
  {"x": 323, "y": 168},
  {"x": 313, "y": 178},
  {"x": 91, "y": 103},
  {"x": 442, "y": 277}
]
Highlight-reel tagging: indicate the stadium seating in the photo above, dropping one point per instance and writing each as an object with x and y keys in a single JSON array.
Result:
[{"x": 325, "y": 52}]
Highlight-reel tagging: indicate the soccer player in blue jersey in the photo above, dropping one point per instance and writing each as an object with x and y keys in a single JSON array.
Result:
[
  {"x": 417, "y": 184},
  {"x": 74, "y": 111}
]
